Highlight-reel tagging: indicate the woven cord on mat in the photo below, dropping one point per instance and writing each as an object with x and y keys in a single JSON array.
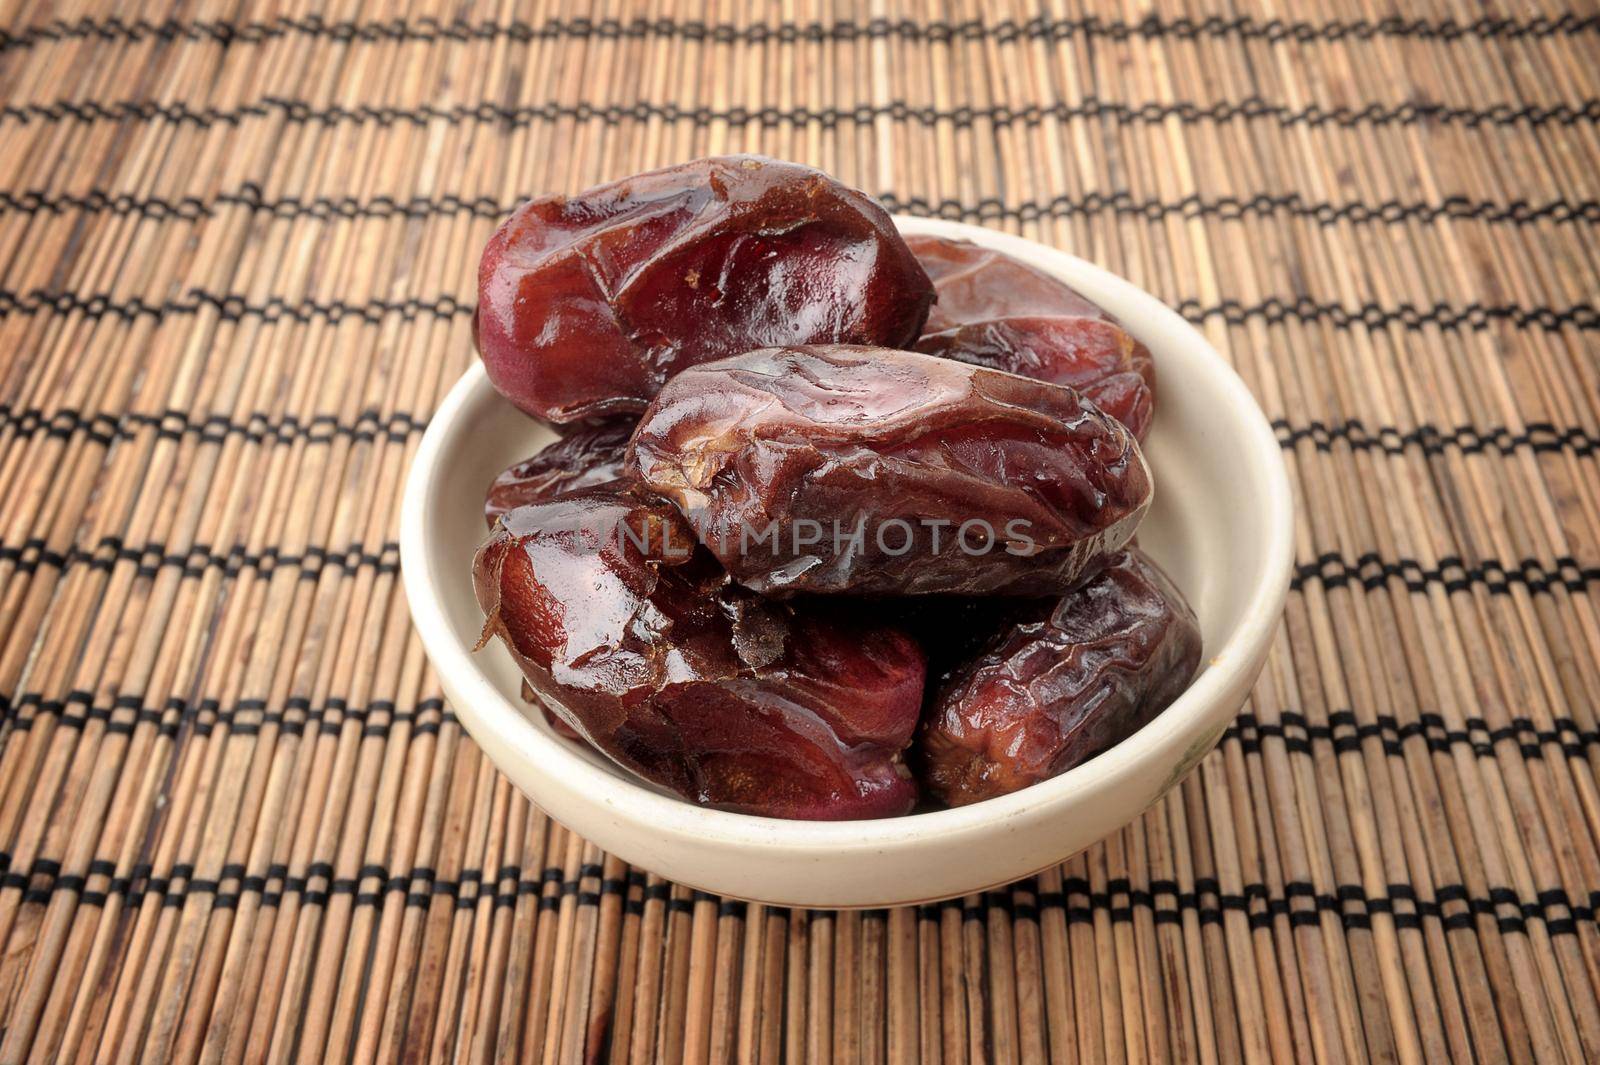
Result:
[{"x": 237, "y": 249}]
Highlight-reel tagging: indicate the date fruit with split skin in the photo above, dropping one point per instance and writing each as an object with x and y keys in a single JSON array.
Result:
[
  {"x": 1050, "y": 692},
  {"x": 586, "y": 456},
  {"x": 998, "y": 312},
  {"x": 589, "y": 455},
  {"x": 588, "y": 304},
  {"x": 630, "y": 632},
  {"x": 843, "y": 469}
]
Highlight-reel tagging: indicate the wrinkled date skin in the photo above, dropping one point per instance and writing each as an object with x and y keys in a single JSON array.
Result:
[
  {"x": 634, "y": 636},
  {"x": 588, "y": 304},
  {"x": 962, "y": 480},
  {"x": 587, "y": 456},
  {"x": 1052, "y": 692},
  {"x": 998, "y": 312}
]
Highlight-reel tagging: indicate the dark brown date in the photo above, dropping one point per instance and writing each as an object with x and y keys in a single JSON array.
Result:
[
  {"x": 632, "y": 634},
  {"x": 1052, "y": 692},
  {"x": 588, "y": 304},
  {"x": 998, "y": 312},
  {"x": 954, "y": 629},
  {"x": 960, "y": 479},
  {"x": 587, "y": 456}
]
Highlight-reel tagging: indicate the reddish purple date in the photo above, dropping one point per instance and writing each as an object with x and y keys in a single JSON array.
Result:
[
  {"x": 588, "y": 304},
  {"x": 633, "y": 636},
  {"x": 998, "y": 312},
  {"x": 840, "y": 469},
  {"x": 587, "y": 456},
  {"x": 1053, "y": 691}
]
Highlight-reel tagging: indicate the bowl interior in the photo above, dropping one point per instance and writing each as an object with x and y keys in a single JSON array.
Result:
[{"x": 1219, "y": 526}]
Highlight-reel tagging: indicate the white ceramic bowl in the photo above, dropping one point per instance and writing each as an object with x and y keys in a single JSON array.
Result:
[{"x": 1221, "y": 526}]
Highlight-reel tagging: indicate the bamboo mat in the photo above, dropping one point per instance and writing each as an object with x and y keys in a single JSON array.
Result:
[{"x": 237, "y": 821}]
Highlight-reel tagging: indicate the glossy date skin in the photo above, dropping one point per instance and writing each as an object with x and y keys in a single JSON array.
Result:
[
  {"x": 998, "y": 312},
  {"x": 587, "y": 305},
  {"x": 635, "y": 638},
  {"x": 586, "y": 456},
  {"x": 1051, "y": 692},
  {"x": 589, "y": 455},
  {"x": 963, "y": 480}
]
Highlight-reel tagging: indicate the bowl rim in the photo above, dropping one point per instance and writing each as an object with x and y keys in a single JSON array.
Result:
[{"x": 480, "y": 705}]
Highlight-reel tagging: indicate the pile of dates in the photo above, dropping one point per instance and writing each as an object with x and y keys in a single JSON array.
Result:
[{"x": 839, "y": 523}]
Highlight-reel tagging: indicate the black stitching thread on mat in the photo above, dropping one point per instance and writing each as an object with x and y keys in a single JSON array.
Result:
[
  {"x": 1228, "y": 208},
  {"x": 397, "y": 427},
  {"x": 1349, "y": 903},
  {"x": 229, "y": 307},
  {"x": 1372, "y": 572},
  {"x": 428, "y": 29},
  {"x": 151, "y": 558},
  {"x": 1252, "y": 107},
  {"x": 1343, "y": 732},
  {"x": 256, "y": 428},
  {"x": 1472, "y": 316},
  {"x": 317, "y": 885},
  {"x": 191, "y": 208},
  {"x": 105, "y": 429},
  {"x": 1274, "y": 311},
  {"x": 1433, "y": 440},
  {"x": 1331, "y": 570},
  {"x": 373, "y": 885},
  {"x": 244, "y": 717}
]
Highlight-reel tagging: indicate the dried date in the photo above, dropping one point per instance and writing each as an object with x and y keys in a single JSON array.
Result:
[
  {"x": 998, "y": 312},
  {"x": 953, "y": 629},
  {"x": 556, "y": 722},
  {"x": 634, "y": 637},
  {"x": 588, "y": 304},
  {"x": 587, "y": 456},
  {"x": 842, "y": 469},
  {"x": 1051, "y": 692}
]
